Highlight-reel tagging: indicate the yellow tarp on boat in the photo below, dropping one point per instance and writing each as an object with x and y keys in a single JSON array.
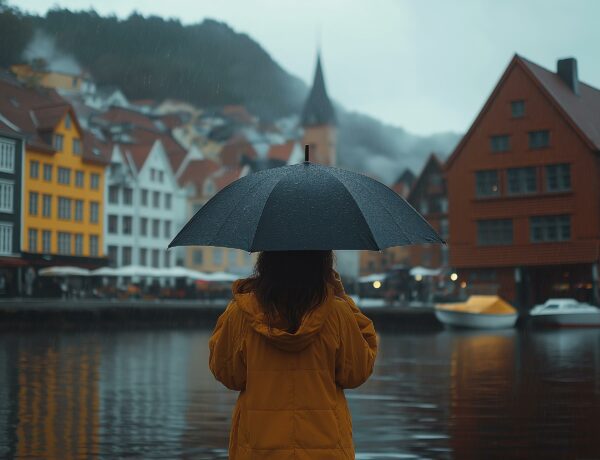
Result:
[{"x": 484, "y": 304}]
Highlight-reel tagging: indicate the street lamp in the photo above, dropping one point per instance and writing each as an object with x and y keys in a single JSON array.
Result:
[
  {"x": 376, "y": 284},
  {"x": 453, "y": 276}
]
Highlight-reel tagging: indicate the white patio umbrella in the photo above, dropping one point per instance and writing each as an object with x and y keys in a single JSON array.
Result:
[
  {"x": 423, "y": 271},
  {"x": 104, "y": 271},
  {"x": 137, "y": 270},
  {"x": 372, "y": 278},
  {"x": 64, "y": 271}
]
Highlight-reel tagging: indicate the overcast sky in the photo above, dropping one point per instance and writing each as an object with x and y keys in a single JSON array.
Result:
[{"x": 425, "y": 65}]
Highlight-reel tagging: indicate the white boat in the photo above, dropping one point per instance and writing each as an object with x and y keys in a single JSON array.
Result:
[
  {"x": 479, "y": 312},
  {"x": 565, "y": 313}
]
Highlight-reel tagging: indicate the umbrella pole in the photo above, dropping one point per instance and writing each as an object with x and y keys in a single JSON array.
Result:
[{"x": 306, "y": 153}]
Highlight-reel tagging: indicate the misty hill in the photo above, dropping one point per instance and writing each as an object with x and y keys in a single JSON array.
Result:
[{"x": 208, "y": 64}]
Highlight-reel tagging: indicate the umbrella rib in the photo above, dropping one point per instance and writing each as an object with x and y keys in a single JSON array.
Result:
[
  {"x": 358, "y": 207},
  {"x": 265, "y": 205},
  {"x": 386, "y": 210},
  {"x": 233, "y": 208}
]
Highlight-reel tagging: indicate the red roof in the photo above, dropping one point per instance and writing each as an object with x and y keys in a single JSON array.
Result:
[
  {"x": 138, "y": 152},
  {"x": 175, "y": 152},
  {"x": 232, "y": 152},
  {"x": 582, "y": 111},
  {"x": 118, "y": 115},
  {"x": 224, "y": 177},
  {"x": 95, "y": 150},
  {"x": 281, "y": 151},
  {"x": 197, "y": 171}
]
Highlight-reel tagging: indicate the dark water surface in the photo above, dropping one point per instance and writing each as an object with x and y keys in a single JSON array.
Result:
[{"x": 149, "y": 394}]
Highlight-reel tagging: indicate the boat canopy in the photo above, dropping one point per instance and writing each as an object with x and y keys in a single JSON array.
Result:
[{"x": 485, "y": 304}]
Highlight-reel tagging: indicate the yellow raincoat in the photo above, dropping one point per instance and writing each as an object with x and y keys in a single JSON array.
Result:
[{"x": 291, "y": 403}]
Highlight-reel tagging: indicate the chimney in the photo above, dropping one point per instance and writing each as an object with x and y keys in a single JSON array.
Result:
[{"x": 567, "y": 71}]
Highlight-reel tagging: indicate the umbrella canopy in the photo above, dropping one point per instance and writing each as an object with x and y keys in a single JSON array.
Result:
[
  {"x": 64, "y": 271},
  {"x": 306, "y": 206}
]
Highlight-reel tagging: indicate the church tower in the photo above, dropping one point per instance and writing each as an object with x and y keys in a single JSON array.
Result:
[{"x": 319, "y": 121}]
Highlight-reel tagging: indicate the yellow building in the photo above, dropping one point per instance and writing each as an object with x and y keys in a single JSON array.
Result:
[
  {"x": 63, "y": 195},
  {"x": 80, "y": 83}
]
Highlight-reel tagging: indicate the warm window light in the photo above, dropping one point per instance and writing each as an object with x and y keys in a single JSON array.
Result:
[
  {"x": 463, "y": 284},
  {"x": 376, "y": 284},
  {"x": 453, "y": 276},
  {"x": 418, "y": 277}
]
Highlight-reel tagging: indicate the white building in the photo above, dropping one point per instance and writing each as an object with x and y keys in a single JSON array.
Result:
[{"x": 145, "y": 207}]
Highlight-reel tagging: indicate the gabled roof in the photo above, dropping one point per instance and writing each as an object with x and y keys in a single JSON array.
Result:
[
  {"x": 197, "y": 171},
  {"x": 120, "y": 115},
  {"x": 318, "y": 109},
  {"x": 175, "y": 152},
  {"x": 581, "y": 111},
  {"x": 281, "y": 151},
  {"x": 432, "y": 162},
  {"x": 139, "y": 153},
  {"x": 407, "y": 177}
]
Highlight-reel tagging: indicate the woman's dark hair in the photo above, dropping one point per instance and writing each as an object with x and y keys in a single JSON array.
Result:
[{"x": 290, "y": 283}]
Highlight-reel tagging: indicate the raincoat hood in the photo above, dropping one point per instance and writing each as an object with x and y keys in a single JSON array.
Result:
[{"x": 309, "y": 328}]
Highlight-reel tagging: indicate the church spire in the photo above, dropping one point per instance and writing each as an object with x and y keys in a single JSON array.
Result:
[{"x": 318, "y": 109}]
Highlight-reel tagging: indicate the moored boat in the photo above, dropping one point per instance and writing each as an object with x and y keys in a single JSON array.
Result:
[
  {"x": 565, "y": 313},
  {"x": 479, "y": 312}
]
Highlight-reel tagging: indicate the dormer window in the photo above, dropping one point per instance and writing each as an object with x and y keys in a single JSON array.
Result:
[
  {"x": 57, "y": 141},
  {"x": 517, "y": 108},
  {"x": 68, "y": 121}
]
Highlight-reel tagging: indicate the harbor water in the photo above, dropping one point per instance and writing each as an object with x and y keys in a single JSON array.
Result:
[{"x": 148, "y": 394}]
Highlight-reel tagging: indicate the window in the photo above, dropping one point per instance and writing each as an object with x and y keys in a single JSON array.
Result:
[
  {"x": 423, "y": 206},
  {"x": 521, "y": 180},
  {"x": 126, "y": 255},
  {"x": 94, "y": 209},
  {"x": 443, "y": 204},
  {"x": 64, "y": 208},
  {"x": 155, "y": 227},
  {"x": 500, "y": 143},
  {"x": 167, "y": 262},
  {"x": 198, "y": 256},
  {"x": 6, "y": 196},
  {"x": 558, "y": 177},
  {"x": 79, "y": 178},
  {"x": 161, "y": 176},
  {"x": 232, "y": 257},
  {"x": 444, "y": 228},
  {"x": 79, "y": 210},
  {"x": 127, "y": 226},
  {"x": 539, "y": 139},
  {"x": 127, "y": 196},
  {"x": 7, "y": 159},
  {"x": 155, "y": 256},
  {"x": 156, "y": 199},
  {"x": 550, "y": 228},
  {"x": 48, "y": 172},
  {"x": 217, "y": 254},
  {"x": 152, "y": 174},
  {"x": 57, "y": 142},
  {"x": 76, "y": 146},
  {"x": 33, "y": 203},
  {"x": 64, "y": 243},
  {"x": 113, "y": 256},
  {"x": 46, "y": 241},
  {"x": 94, "y": 181},
  {"x": 144, "y": 197},
  {"x": 494, "y": 231},
  {"x": 64, "y": 176},
  {"x": 143, "y": 257},
  {"x": 168, "y": 200},
  {"x": 113, "y": 194},
  {"x": 517, "y": 109},
  {"x": 144, "y": 226},
  {"x": 68, "y": 122},
  {"x": 34, "y": 169},
  {"x": 6, "y": 237},
  {"x": 487, "y": 183},
  {"x": 167, "y": 229},
  {"x": 32, "y": 238},
  {"x": 47, "y": 206},
  {"x": 113, "y": 224},
  {"x": 94, "y": 245},
  {"x": 78, "y": 244}
]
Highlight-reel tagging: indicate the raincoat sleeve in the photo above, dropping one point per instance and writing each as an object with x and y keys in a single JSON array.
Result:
[
  {"x": 357, "y": 349},
  {"x": 227, "y": 360}
]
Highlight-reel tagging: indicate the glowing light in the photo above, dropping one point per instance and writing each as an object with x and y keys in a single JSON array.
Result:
[
  {"x": 376, "y": 284},
  {"x": 418, "y": 277},
  {"x": 453, "y": 276},
  {"x": 463, "y": 284}
]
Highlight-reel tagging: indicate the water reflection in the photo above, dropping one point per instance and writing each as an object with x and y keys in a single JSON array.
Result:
[{"x": 434, "y": 395}]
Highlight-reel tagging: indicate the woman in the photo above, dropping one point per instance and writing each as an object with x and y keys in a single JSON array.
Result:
[{"x": 290, "y": 342}]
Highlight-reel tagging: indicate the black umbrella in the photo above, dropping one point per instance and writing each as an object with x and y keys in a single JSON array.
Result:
[{"x": 306, "y": 206}]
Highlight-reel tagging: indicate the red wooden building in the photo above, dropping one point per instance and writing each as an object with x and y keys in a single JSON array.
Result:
[{"x": 524, "y": 188}]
